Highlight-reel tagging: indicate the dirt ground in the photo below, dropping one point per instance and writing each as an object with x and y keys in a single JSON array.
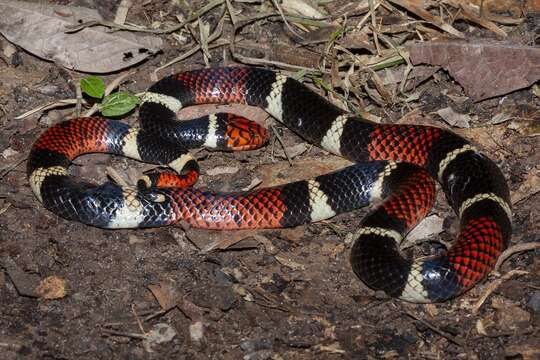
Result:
[{"x": 283, "y": 294}]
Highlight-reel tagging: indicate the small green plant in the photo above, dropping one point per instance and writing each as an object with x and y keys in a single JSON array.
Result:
[{"x": 115, "y": 104}]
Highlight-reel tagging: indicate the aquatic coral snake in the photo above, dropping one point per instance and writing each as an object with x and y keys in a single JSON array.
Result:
[{"x": 395, "y": 167}]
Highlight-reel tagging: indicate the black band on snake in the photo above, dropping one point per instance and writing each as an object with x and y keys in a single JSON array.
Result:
[{"x": 396, "y": 165}]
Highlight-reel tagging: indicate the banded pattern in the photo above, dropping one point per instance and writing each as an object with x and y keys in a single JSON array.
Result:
[{"x": 396, "y": 165}]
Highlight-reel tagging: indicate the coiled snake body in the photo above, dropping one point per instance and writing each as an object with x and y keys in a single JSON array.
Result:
[{"x": 395, "y": 167}]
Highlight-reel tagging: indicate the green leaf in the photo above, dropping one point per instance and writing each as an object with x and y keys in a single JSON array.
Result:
[
  {"x": 93, "y": 86},
  {"x": 118, "y": 103}
]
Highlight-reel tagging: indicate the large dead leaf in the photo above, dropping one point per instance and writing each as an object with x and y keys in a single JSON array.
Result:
[
  {"x": 484, "y": 69},
  {"x": 40, "y": 29}
]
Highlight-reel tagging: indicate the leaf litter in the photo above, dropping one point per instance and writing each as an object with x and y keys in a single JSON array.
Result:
[{"x": 41, "y": 30}]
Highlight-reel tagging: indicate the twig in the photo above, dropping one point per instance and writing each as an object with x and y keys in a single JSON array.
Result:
[
  {"x": 280, "y": 140},
  {"x": 121, "y": 12},
  {"x": 434, "y": 328},
  {"x": 271, "y": 16},
  {"x": 49, "y": 106},
  {"x": 253, "y": 184},
  {"x": 515, "y": 249},
  {"x": 78, "y": 94},
  {"x": 139, "y": 322},
  {"x": 125, "y": 334},
  {"x": 255, "y": 61},
  {"x": 493, "y": 286},
  {"x": 188, "y": 54},
  {"x": 405, "y": 55},
  {"x": 469, "y": 14},
  {"x": 427, "y": 16},
  {"x": 12, "y": 167},
  {"x": 157, "y": 313},
  {"x": 230, "y": 10},
  {"x": 366, "y": 17},
  {"x": 374, "y": 26},
  {"x": 12, "y": 346},
  {"x": 117, "y": 27},
  {"x": 280, "y": 10}
]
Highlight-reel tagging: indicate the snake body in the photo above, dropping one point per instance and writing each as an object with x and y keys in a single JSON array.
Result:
[{"x": 395, "y": 167}]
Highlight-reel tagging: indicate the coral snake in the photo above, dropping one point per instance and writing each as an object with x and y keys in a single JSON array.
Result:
[{"x": 395, "y": 167}]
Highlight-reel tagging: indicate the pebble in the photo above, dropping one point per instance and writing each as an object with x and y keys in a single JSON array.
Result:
[
  {"x": 534, "y": 302},
  {"x": 255, "y": 345}
]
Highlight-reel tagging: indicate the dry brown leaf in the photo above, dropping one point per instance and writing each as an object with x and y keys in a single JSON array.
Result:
[
  {"x": 529, "y": 187},
  {"x": 319, "y": 35},
  {"x": 419, "y": 74},
  {"x": 165, "y": 295},
  {"x": 454, "y": 118},
  {"x": 357, "y": 40},
  {"x": 509, "y": 316},
  {"x": 487, "y": 140},
  {"x": 52, "y": 287},
  {"x": 484, "y": 69},
  {"x": 533, "y": 6},
  {"x": 250, "y": 112},
  {"x": 211, "y": 240},
  {"x": 430, "y": 226},
  {"x": 293, "y": 55},
  {"x": 291, "y": 151},
  {"x": 527, "y": 351},
  {"x": 280, "y": 173},
  {"x": 25, "y": 283},
  {"x": 40, "y": 29}
]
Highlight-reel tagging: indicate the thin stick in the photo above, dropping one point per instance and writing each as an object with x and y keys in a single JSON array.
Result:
[
  {"x": 515, "y": 249},
  {"x": 125, "y": 334},
  {"x": 451, "y": 338},
  {"x": 78, "y": 94},
  {"x": 374, "y": 26},
  {"x": 188, "y": 54},
  {"x": 230, "y": 10},
  {"x": 138, "y": 319},
  {"x": 426, "y": 15},
  {"x": 493, "y": 286},
  {"x": 280, "y": 140},
  {"x": 270, "y": 16},
  {"x": 122, "y": 11},
  {"x": 117, "y": 27},
  {"x": 255, "y": 61},
  {"x": 280, "y": 10},
  {"x": 49, "y": 106}
]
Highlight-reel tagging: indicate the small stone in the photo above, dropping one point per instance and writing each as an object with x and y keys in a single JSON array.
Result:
[
  {"x": 49, "y": 90},
  {"x": 196, "y": 331},
  {"x": 255, "y": 345},
  {"x": 534, "y": 302}
]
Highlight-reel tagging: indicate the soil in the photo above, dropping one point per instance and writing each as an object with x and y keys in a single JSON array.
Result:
[{"x": 282, "y": 294}]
